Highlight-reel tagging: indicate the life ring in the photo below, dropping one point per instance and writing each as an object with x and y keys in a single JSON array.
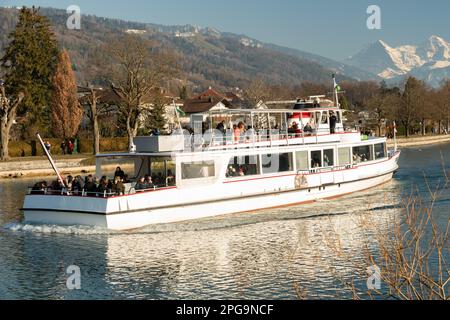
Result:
[{"x": 300, "y": 181}]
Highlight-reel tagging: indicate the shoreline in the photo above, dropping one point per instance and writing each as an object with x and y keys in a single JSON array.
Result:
[{"x": 29, "y": 168}]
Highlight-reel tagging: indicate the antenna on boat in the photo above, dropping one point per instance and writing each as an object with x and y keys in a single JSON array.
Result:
[
  {"x": 336, "y": 90},
  {"x": 395, "y": 136},
  {"x": 50, "y": 159}
]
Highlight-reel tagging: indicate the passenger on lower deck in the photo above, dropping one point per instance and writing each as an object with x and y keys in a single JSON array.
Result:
[
  {"x": 118, "y": 186},
  {"x": 39, "y": 188},
  {"x": 90, "y": 187},
  {"x": 141, "y": 185}
]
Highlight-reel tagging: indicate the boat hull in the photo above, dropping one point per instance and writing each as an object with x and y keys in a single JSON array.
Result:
[{"x": 133, "y": 219}]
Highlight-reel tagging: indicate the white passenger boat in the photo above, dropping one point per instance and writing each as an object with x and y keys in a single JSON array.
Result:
[{"x": 276, "y": 163}]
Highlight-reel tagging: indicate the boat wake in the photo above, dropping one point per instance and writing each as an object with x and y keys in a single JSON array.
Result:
[{"x": 54, "y": 229}]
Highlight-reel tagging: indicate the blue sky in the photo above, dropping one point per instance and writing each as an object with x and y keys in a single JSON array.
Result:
[{"x": 334, "y": 29}]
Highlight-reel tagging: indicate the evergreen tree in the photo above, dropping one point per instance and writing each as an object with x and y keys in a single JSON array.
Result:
[
  {"x": 66, "y": 112},
  {"x": 156, "y": 117},
  {"x": 183, "y": 93},
  {"x": 343, "y": 101},
  {"x": 30, "y": 61}
]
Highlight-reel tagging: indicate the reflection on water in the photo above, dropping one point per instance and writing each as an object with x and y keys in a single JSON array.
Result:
[{"x": 251, "y": 256}]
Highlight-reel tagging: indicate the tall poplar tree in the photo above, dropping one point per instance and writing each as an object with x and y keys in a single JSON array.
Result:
[{"x": 66, "y": 112}]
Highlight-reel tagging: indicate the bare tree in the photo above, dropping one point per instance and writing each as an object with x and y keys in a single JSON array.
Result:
[
  {"x": 257, "y": 91},
  {"x": 95, "y": 110},
  {"x": 8, "y": 113},
  {"x": 138, "y": 67}
]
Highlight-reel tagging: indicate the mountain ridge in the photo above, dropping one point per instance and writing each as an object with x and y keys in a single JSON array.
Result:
[
  {"x": 429, "y": 61},
  {"x": 208, "y": 56}
]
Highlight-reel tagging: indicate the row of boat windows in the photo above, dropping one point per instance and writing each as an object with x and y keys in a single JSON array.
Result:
[{"x": 284, "y": 162}]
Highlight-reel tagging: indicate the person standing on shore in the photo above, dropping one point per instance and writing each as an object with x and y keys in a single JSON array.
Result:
[
  {"x": 70, "y": 147},
  {"x": 63, "y": 148}
]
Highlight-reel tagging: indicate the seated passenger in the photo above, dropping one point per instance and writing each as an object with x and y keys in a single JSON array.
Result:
[
  {"x": 149, "y": 181},
  {"x": 77, "y": 185},
  {"x": 118, "y": 187},
  {"x": 56, "y": 185},
  {"x": 90, "y": 187},
  {"x": 39, "y": 188},
  {"x": 308, "y": 128},
  {"x": 236, "y": 133},
  {"x": 104, "y": 186},
  {"x": 141, "y": 185},
  {"x": 69, "y": 183},
  {"x": 170, "y": 178},
  {"x": 315, "y": 162}
]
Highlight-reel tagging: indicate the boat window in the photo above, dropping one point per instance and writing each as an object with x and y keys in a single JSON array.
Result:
[
  {"x": 344, "y": 156},
  {"x": 162, "y": 171},
  {"x": 301, "y": 159},
  {"x": 328, "y": 158},
  {"x": 316, "y": 159},
  {"x": 338, "y": 117},
  {"x": 324, "y": 118},
  {"x": 197, "y": 170},
  {"x": 380, "y": 151},
  {"x": 362, "y": 154},
  {"x": 317, "y": 118},
  {"x": 243, "y": 166},
  {"x": 274, "y": 163},
  {"x": 132, "y": 167}
]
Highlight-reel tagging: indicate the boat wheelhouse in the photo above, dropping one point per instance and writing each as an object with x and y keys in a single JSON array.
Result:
[{"x": 266, "y": 161}]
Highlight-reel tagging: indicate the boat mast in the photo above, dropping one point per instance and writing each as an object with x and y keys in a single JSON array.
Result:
[
  {"x": 50, "y": 159},
  {"x": 335, "y": 92}
]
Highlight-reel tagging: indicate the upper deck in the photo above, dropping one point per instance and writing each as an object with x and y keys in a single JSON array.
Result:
[{"x": 235, "y": 129}]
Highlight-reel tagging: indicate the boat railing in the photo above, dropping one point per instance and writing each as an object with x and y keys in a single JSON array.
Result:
[
  {"x": 213, "y": 139},
  {"x": 325, "y": 169},
  {"x": 88, "y": 194}
]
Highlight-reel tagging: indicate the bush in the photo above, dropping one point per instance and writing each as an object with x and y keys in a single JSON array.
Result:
[{"x": 85, "y": 146}]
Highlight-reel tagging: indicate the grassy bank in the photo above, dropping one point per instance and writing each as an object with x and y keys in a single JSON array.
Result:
[{"x": 419, "y": 140}]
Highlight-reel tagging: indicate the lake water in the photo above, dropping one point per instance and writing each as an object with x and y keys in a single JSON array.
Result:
[{"x": 264, "y": 255}]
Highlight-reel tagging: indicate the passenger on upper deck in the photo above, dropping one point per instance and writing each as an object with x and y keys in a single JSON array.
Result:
[
  {"x": 333, "y": 121},
  {"x": 295, "y": 130},
  {"x": 308, "y": 129},
  {"x": 236, "y": 133},
  {"x": 221, "y": 127}
]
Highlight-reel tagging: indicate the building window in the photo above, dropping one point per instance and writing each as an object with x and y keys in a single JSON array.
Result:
[
  {"x": 344, "y": 156},
  {"x": 274, "y": 163},
  {"x": 380, "y": 151},
  {"x": 243, "y": 166},
  {"x": 362, "y": 154},
  {"x": 301, "y": 159},
  {"x": 328, "y": 158},
  {"x": 316, "y": 159},
  {"x": 197, "y": 170}
]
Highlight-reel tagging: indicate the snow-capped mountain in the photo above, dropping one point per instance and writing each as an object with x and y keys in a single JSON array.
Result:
[{"x": 429, "y": 61}]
